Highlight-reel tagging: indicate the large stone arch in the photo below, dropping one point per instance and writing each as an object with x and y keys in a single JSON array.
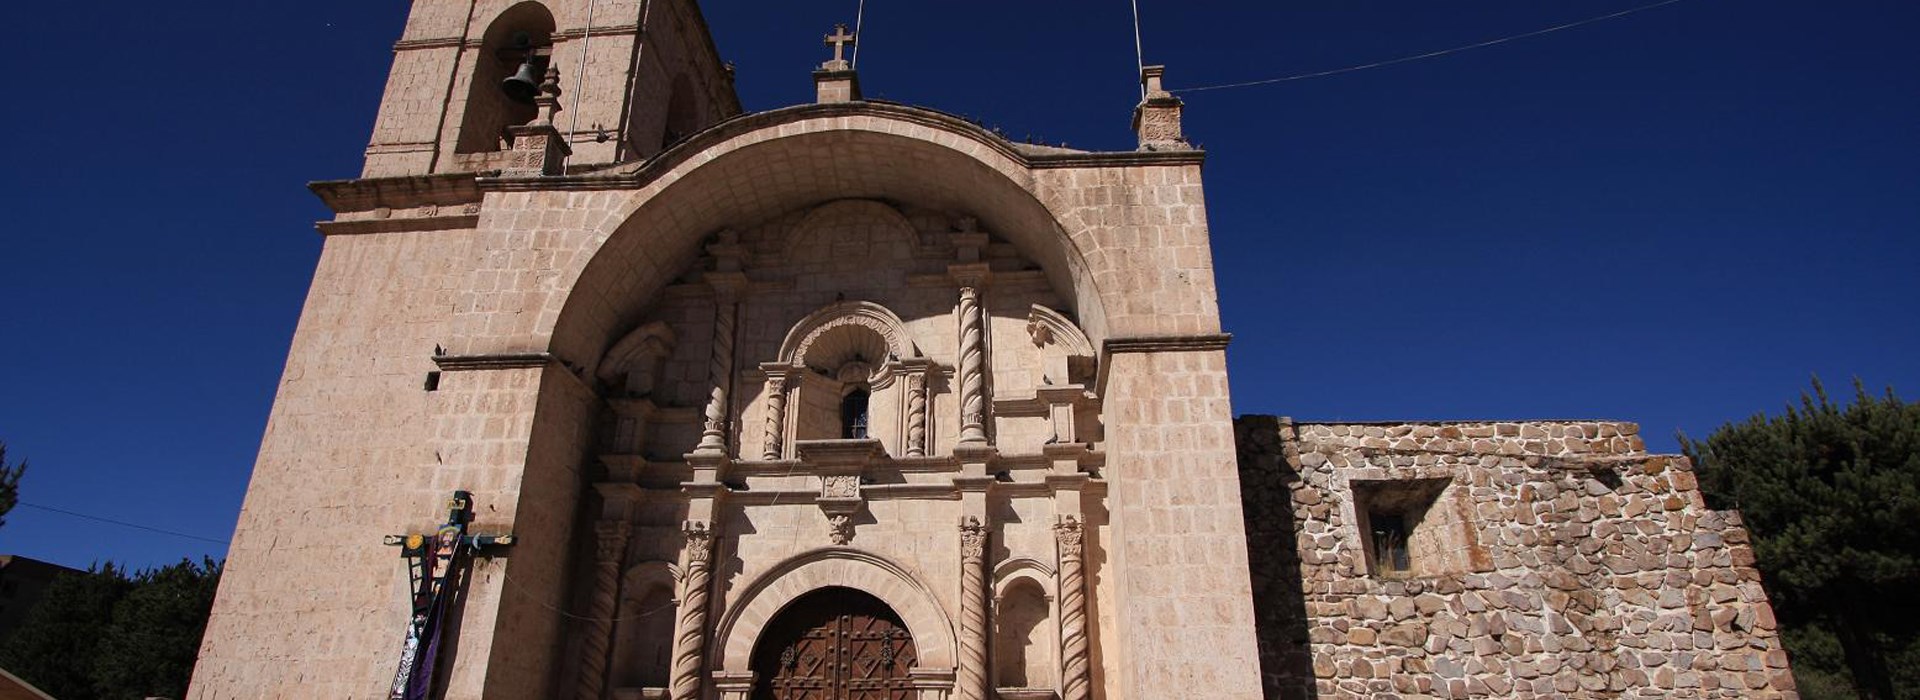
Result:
[
  {"x": 656, "y": 218},
  {"x": 868, "y": 573}
]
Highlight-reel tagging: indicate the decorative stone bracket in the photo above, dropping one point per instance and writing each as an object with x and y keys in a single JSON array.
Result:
[{"x": 840, "y": 464}]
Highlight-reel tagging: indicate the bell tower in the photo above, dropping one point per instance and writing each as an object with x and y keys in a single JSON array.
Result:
[{"x": 634, "y": 75}]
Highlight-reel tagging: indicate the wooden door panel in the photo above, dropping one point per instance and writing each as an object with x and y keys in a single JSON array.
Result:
[{"x": 845, "y": 646}]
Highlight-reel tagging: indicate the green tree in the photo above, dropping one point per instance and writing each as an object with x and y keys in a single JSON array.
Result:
[
  {"x": 155, "y": 637},
  {"x": 57, "y": 646},
  {"x": 105, "y": 634},
  {"x": 1831, "y": 495},
  {"x": 9, "y": 483}
]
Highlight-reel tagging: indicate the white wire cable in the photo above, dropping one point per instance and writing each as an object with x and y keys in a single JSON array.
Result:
[
  {"x": 859, "y": 18},
  {"x": 1433, "y": 54}
]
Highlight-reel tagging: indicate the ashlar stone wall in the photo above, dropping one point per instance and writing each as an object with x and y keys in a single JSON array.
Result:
[{"x": 1548, "y": 559}]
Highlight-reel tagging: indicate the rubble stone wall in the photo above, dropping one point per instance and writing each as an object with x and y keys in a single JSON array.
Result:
[{"x": 1574, "y": 565}]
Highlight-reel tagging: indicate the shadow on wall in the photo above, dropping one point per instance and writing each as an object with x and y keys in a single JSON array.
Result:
[{"x": 1267, "y": 482}]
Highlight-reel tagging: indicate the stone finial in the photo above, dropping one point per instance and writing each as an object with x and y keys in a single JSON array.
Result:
[
  {"x": 835, "y": 80},
  {"x": 1157, "y": 119},
  {"x": 548, "y": 101}
]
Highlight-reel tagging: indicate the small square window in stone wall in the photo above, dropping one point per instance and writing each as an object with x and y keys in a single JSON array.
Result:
[{"x": 1410, "y": 527}]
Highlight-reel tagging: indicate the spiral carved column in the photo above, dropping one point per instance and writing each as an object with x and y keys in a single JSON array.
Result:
[
  {"x": 690, "y": 629},
  {"x": 611, "y": 550},
  {"x": 916, "y": 415},
  {"x": 972, "y": 672},
  {"x": 973, "y": 379},
  {"x": 720, "y": 372},
  {"x": 1076, "y": 680},
  {"x": 776, "y": 417}
]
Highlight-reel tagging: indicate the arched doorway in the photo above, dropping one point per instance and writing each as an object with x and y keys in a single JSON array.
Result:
[{"x": 834, "y": 644}]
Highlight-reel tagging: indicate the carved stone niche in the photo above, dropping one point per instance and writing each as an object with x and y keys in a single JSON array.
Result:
[
  {"x": 1067, "y": 369},
  {"x": 834, "y": 352},
  {"x": 632, "y": 368},
  {"x": 632, "y": 372}
]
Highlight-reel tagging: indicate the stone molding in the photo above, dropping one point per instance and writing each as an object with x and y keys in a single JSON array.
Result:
[
  {"x": 412, "y": 224},
  {"x": 1166, "y": 343},
  {"x": 433, "y": 43},
  {"x": 371, "y": 194},
  {"x": 865, "y": 314},
  {"x": 759, "y": 602},
  {"x": 495, "y": 361}
]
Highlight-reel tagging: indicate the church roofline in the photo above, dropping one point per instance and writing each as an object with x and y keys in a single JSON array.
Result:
[
  {"x": 630, "y": 174},
  {"x": 1443, "y": 421},
  {"x": 448, "y": 189}
]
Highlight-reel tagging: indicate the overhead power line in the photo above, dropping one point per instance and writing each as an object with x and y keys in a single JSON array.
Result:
[
  {"x": 1434, "y": 54},
  {"x": 121, "y": 523}
]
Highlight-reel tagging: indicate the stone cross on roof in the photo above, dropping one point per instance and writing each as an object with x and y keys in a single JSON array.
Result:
[{"x": 839, "y": 40}]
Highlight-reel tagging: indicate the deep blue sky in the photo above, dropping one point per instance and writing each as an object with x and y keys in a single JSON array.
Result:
[{"x": 1673, "y": 218}]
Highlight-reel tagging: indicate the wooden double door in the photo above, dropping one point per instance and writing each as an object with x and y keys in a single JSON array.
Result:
[{"x": 834, "y": 644}]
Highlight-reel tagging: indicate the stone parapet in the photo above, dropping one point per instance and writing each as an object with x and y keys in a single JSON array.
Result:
[
  {"x": 1540, "y": 559},
  {"x": 1539, "y": 438}
]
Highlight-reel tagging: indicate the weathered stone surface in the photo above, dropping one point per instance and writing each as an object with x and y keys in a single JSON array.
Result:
[{"x": 1591, "y": 568}]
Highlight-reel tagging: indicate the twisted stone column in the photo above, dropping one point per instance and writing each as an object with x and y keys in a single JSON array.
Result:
[
  {"x": 690, "y": 629},
  {"x": 916, "y": 415},
  {"x": 1076, "y": 680},
  {"x": 611, "y": 550},
  {"x": 973, "y": 379},
  {"x": 720, "y": 372},
  {"x": 972, "y": 672},
  {"x": 776, "y": 417}
]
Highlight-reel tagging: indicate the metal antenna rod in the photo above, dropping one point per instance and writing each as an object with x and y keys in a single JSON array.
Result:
[
  {"x": 1139, "y": 55},
  {"x": 579, "y": 86}
]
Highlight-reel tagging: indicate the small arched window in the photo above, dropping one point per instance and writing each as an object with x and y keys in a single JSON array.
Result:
[{"x": 853, "y": 415}]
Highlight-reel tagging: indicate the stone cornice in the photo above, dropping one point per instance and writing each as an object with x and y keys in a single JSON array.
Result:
[
  {"x": 634, "y": 175},
  {"x": 1166, "y": 343},
  {"x": 572, "y": 33},
  {"x": 494, "y": 361},
  {"x": 420, "y": 223},
  {"x": 369, "y": 194},
  {"x": 433, "y": 43}
]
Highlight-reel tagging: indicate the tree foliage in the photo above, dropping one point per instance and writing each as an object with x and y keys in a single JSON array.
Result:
[
  {"x": 9, "y": 483},
  {"x": 108, "y": 634},
  {"x": 1831, "y": 495}
]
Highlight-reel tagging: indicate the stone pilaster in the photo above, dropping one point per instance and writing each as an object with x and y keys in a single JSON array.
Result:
[
  {"x": 720, "y": 371},
  {"x": 917, "y": 415},
  {"x": 973, "y": 379},
  {"x": 610, "y": 558},
  {"x": 776, "y": 417},
  {"x": 972, "y": 671},
  {"x": 690, "y": 628},
  {"x": 727, "y": 282},
  {"x": 1076, "y": 681}
]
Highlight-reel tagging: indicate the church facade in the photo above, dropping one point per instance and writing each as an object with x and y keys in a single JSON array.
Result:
[{"x": 858, "y": 400}]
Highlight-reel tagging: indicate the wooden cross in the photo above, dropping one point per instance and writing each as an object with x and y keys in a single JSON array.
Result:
[
  {"x": 839, "y": 40},
  {"x": 433, "y": 563}
]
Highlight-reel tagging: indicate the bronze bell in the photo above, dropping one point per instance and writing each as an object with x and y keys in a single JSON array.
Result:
[{"x": 525, "y": 83}]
